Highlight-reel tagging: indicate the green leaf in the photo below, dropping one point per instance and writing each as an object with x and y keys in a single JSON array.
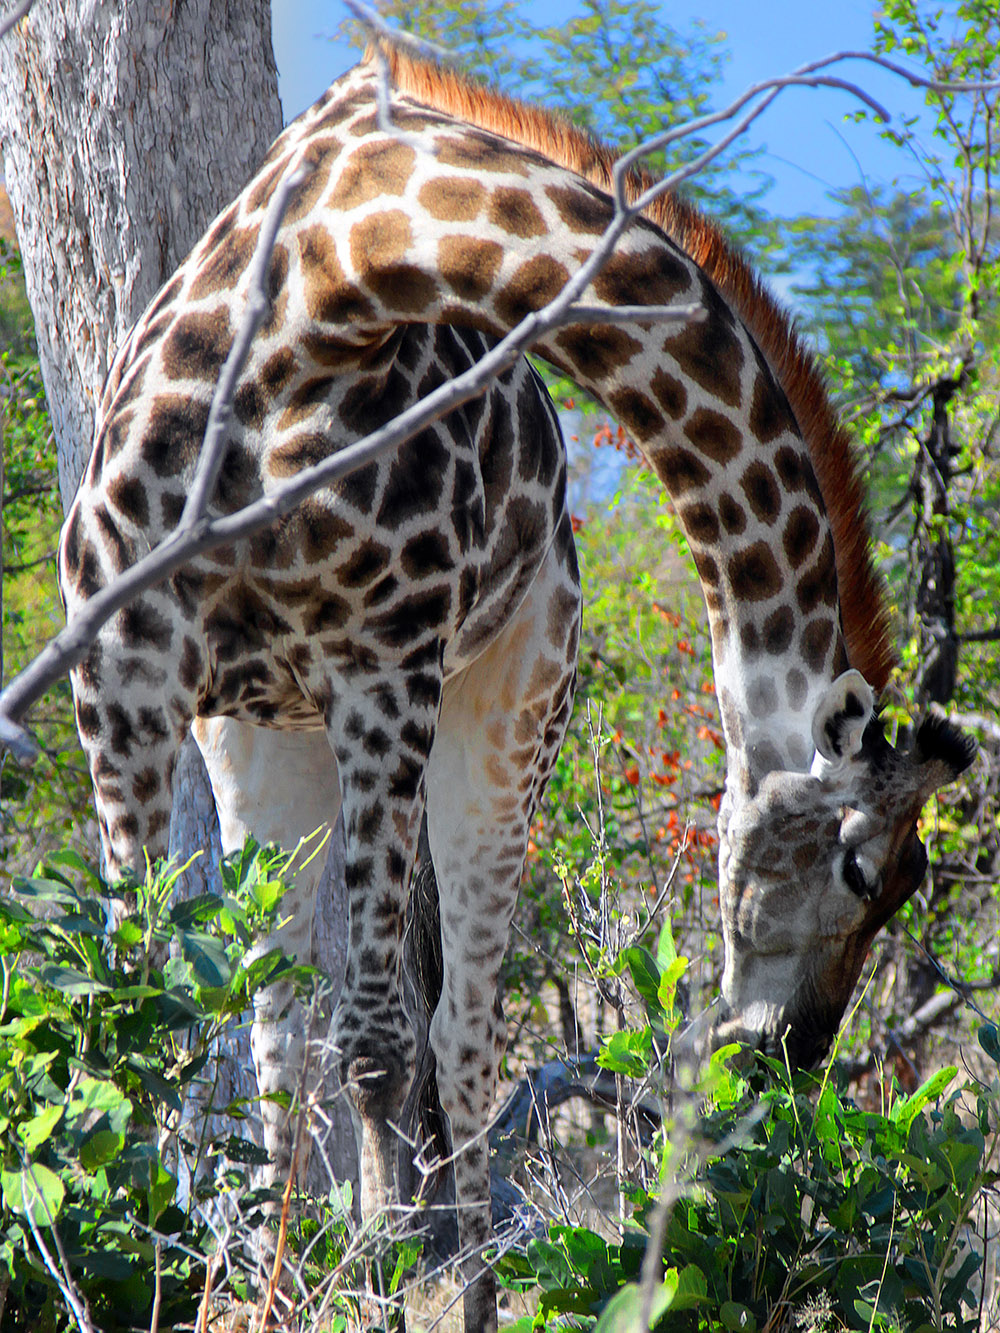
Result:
[
  {"x": 100, "y": 1095},
  {"x": 72, "y": 860},
  {"x": 35, "y": 1192},
  {"x": 643, "y": 969},
  {"x": 737, "y": 1318},
  {"x": 51, "y": 890},
  {"x": 160, "y": 1194},
  {"x": 34, "y": 1132},
  {"x": 69, "y": 981},
  {"x": 100, "y": 1147},
  {"x": 905, "y": 1112},
  {"x": 668, "y": 983},
  {"x": 989, "y": 1040},
  {"x": 666, "y": 950},
  {"x": 80, "y": 923},
  {"x": 622, "y": 1314},
  {"x": 207, "y": 958},
  {"x": 627, "y": 1052}
]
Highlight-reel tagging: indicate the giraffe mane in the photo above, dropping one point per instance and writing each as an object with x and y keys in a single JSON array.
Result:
[{"x": 864, "y": 608}]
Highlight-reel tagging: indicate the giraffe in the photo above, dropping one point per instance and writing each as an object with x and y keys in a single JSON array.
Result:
[{"x": 404, "y": 644}]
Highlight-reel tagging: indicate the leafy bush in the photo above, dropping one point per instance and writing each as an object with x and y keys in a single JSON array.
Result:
[
  {"x": 104, "y": 1031},
  {"x": 800, "y": 1210}
]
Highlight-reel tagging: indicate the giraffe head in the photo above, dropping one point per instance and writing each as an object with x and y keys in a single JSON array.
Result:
[{"x": 813, "y": 864}]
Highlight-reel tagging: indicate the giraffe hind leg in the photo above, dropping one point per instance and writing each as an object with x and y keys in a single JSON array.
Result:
[
  {"x": 132, "y": 718},
  {"x": 503, "y": 720},
  {"x": 382, "y": 728}
]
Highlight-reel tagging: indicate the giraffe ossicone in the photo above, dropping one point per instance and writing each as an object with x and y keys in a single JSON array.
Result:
[{"x": 404, "y": 644}]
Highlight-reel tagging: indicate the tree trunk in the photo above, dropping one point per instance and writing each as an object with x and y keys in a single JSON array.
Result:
[{"x": 124, "y": 129}]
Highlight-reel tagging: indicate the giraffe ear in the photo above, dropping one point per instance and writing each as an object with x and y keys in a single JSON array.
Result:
[{"x": 841, "y": 717}]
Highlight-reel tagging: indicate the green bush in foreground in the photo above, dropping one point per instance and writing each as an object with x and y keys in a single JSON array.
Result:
[
  {"x": 802, "y": 1212},
  {"x": 777, "y": 1205},
  {"x": 100, "y": 1045}
]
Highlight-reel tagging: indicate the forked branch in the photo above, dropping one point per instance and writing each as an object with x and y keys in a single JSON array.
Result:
[{"x": 197, "y": 533}]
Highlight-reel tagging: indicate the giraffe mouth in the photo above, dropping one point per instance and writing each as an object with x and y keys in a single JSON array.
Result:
[{"x": 798, "y": 1041}]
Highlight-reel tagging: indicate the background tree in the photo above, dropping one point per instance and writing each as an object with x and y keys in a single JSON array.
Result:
[
  {"x": 124, "y": 129},
  {"x": 904, "y": 297}
]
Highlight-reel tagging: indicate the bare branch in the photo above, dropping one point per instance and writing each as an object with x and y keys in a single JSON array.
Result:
[
  {"x": 198, "y": 534},
  {"x": 213, "y": 449},
  {"x": 373, "y": 20},
  {"x": 980, "y": 635}
]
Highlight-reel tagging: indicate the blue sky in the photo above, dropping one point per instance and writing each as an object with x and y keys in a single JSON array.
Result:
[{"x": 810, "y": 146}]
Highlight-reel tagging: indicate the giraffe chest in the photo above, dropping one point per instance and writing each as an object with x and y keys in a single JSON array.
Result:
[{"x": 430, "y": 549}]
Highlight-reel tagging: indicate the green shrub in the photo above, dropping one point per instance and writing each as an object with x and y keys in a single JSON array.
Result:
[
  {"x": 784, "y": 1206},
  {"x": 104, "y": 1031}
]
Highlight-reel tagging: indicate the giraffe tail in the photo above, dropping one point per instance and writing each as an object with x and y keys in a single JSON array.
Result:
[{"x": 429, "y": 1179}]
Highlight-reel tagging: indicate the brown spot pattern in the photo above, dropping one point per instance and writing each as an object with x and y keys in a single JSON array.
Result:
[
  {"x": 534, "y": 284},
  {"x": 481, "y": 152},
  {"x": 753, "y": 573},
  {"x": 596, "y": 350},
  {"x": 197, "y": 345},
  {"x": 670, "y": 393},
  {"x": 680, "y": 470},
  {"x": 709, "y": 353},
  {"x": 733, "y": 516},
  {"x": 770, "y": 415},
  {"x": 516, "y": 212},
  {"x": 761, "y": 489},
  {"x": 452, "y": 198},
  {"x": 639, "y": 413},
  {"x": 329, "y": 297},
  {"x": 818, "y": 586},
  {"x": 226, "y": 264},
  {"x": 373, "y": 170},
  {"x": 713, "y": 435},
  {"x": 584, "y": 211},
  {"x": 800, "y": 535},
  {"x": 469, "y": 266},
  {"x": 815, "y": 644}
]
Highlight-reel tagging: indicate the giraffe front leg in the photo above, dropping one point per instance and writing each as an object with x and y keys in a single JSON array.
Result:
[{"x": 279, "y": 787}]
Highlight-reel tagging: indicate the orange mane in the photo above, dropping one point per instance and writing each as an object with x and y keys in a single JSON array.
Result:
[{"x": 864, "y": 608}]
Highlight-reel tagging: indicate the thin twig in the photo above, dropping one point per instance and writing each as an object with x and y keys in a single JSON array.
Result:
[
  {"x": 213, "y": 449},
  {"x": 206, "y": 1295},
  {"x": 279, "y": 1249},
  {"x": 154, "y": 1321},
  {"x": 374, "y": 21},
  {"x": 61, "y": 1274}
]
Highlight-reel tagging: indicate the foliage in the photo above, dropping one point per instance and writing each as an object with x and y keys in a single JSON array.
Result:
[
  {"x": 642, "y": 763},
  {"x": 801, "y": 1203},
  {"x": 105, "y": 1032},
  {"x": 799, "y": 1209},
  {"x": 43, "y": 809}
]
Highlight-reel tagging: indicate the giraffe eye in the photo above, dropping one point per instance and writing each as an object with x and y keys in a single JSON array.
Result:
[{"x": 855, "y": 877}]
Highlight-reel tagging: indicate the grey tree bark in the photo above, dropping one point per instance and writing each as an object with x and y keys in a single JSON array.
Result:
[{"x": 124, "y": 128}]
